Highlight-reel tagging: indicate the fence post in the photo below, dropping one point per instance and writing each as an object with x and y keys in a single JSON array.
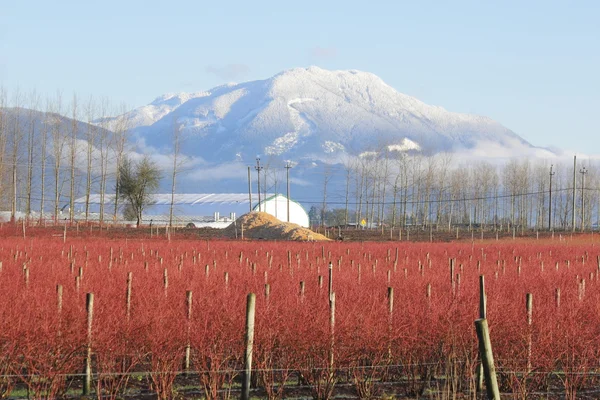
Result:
[
  {"x": 390, "y": 298},
  {"x": 529, "y": 306},
  {"x": 128, "y": 295},
  {"x": 188, "y": 347},
  {"x": 165, "y": 281},
  {"x": 330, "y": 279},
  {"x": 331, "y": 331},
  {"x": 87, "y": 379},
  {"x": 482, "y": 315},
  {"x": 249, "y": 342},
  {"x": 487, "y": 359},
  {"x": 452, "y": 281},
  {"x": 59, "y": 298}
]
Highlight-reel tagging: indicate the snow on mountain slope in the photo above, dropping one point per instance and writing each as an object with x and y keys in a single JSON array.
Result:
[
  {"x": 312, "y": 113},
  {"x": 160, "y": 107}
]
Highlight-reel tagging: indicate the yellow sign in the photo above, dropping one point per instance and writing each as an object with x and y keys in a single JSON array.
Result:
[{"x": 363, "y": 222}]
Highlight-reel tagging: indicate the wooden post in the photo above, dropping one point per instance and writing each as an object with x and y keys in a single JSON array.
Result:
[
  {"x": 529, "y": 307},
  {"x": 452, "y": 282},
  {"x": 487, "y": 359},
  {"x": 482, "y": 298},
  {"x": 26, "y": 276},
  {"x": 188, "y": 347},
  {"x": 557, "y": 297},
  {"x": 482, "y": 315},
  {"x": 128, "y": 295},
  {"x": 302, "y": 289},
  {"x": 249, "y": 342},
  {"x": 165, "y": 280},
  {"x": 428, "y": 294},
  {"x": 330, "y": 279},
  {"x": 267, "y": 291},
  {"x": 331, "y": 330},
  {"x": 390, "y": 296},
  {"x": 59, "y": 298},
  {"x": 87, "y": 378}
]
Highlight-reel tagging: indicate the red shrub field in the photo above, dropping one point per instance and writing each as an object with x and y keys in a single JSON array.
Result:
[{"x": 423, "y": 344}]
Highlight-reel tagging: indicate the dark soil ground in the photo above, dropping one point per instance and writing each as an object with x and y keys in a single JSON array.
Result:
[{"x": 413, "y": 234}]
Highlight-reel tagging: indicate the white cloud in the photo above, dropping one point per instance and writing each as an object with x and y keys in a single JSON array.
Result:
[
  {"x": 300, "y": 182},
  {"x": 232, "y": 170}
]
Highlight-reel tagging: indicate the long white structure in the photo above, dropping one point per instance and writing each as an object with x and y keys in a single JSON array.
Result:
[
  {"x": 186, "y": 198},
  {"x": 275, "y": 205}
]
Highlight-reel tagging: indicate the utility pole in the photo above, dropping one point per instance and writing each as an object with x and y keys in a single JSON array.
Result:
[
  {"x": 287, "y": 176},
  {"x": 249, "y": 189},
  {"x": 550, "y": 201},
  {"x": 583, "y": 171},
  {"x": 258, "y": 169},
  {"x": 574, "y": 187}
]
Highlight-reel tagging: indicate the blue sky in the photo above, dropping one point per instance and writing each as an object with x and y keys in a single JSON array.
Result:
[{"x": 531, "y": 65}]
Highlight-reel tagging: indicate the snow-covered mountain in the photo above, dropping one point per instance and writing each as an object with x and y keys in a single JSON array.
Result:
[
  {"x": 313, "y": 114},
  {"x": 149, "y": 114}
]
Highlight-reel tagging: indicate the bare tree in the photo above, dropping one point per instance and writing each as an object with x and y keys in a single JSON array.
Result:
[
  {"x": 104, "y": 147},
  {"x": 445, "y": 163},
  {"x": 46, "y": 127},
  {"x": 360, "y": 175},
  {"x": 383, "y": 178},
  {"x": 176, "y": 136},
  {"x": 348, "y": 167},
  {"x": 397, "y": 181},
  {"x": 73, "y": 156},
  {"x": 326, "y": 179},
  {"x": 58, "y": 144},
  {"x": 3, "y": 144},
  {"x": 91, "y": 133},
  {"x": 17, "y": 137},
  {"x": 120, "y": 133},
  {"x": 31, "y": 132}
]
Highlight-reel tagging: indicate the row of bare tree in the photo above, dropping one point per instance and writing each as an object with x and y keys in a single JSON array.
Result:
[
  {"x": 47, "y": 159},
  {"x": 399, "y": 189}
]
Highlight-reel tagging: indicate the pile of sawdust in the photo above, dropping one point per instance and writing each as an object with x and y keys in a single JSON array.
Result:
[{"x": 260, "y": 225}]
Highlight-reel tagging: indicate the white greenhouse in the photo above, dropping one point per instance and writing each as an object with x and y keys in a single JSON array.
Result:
[{"x": 277, "y": 206}]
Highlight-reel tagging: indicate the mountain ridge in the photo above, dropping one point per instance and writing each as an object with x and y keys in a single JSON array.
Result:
[{"x": 314, "y": 113}]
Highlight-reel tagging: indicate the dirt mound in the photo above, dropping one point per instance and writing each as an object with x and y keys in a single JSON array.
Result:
[{"x": 260, "y": 225}]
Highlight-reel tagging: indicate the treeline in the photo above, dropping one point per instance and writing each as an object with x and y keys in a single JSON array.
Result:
[
  {"x": 47, "y": 159},
  {"x": 400, "y": 190}
]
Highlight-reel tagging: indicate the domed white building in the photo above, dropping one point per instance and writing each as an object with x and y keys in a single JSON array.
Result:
[{"x": 277, "y": 206}]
